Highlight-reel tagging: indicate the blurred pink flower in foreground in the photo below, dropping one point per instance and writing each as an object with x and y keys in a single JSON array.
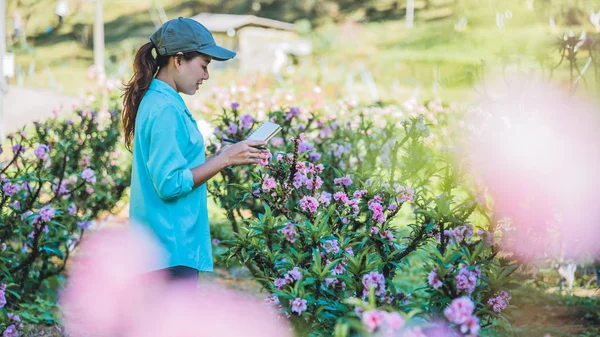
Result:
[
  {"x": 109, "y": 293},
  {"x": 538, "y": 152}
]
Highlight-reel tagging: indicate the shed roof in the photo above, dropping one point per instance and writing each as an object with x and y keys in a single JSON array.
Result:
[{"x": 221, "y": 23}]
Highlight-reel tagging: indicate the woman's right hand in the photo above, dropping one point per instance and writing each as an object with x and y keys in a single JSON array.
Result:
[{"x": 243, "y": 153}]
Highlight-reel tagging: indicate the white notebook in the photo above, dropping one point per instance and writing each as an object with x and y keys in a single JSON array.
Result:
[{"x": 265, "y": 131}]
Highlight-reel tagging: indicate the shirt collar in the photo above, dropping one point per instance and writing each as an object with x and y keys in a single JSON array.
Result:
[{"x": 160, "y": 86}]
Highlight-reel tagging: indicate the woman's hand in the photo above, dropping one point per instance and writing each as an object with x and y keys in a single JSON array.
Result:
[{"x": 243, "y": 153}]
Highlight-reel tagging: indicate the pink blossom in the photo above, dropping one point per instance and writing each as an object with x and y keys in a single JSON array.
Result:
[
  {"x": 434, "y": 279},
  {"x": 373, "y": 319},
  {"x": 265, "y": 161},
  {"x": 289, "y": 232},
  {"x": 349, "y": 251},
  {"x": 277, "y": 141},
  {"x": 18, "y": 148},
  {"x": 235, "y": 105},
  {"x": 500, "y": 301},
  {"x": 298, "y": 305},
  {"x": 47, "y": 213},
  {"x": 374, "y": 230},
  {"x": 295, "y": 273},
  {"x": 247, "y": 121},
  {"x": 279, "y": 283},
  {"x": 314, "y": 156},
  {"x": 2, "y": 298},
  {"x": 325, "y": 132},
  {"x": 89, "y": 189},
  {"x": 374, "y": 279},
  {"x": 310, "y": 204},
  {"x": 471, "y": 325},
  {"x": 272, "y": 300},
  {"x": 72, "y": 209},
  {"x": 340, "y": 196},
  {"x": 42, "y": 151},
  {"x": 292, "y": 113},
  {"x": 216, "y": 241},
  {"x": 387, "y": 234},
  {"x": 325, "y": 198},
  {"x": 460, "y": 310},
  {"x": 232, "y": 129},
  {"x": 405, "y": 194},
  {"x": 338, "y": 270},
  {"x": 88, "y": 175},
  {"x": 11, "y": 331},
  {"x": 466, "y": 280},
  {"x": 10, "y": 189},
  {"x": 84, "y": 224},
  {"x": 346, "y": 181},
  {"x": 305, "y": 147},
  {"x": 359, "y": 193},
  {"x": 319, "y": 168},
  {"x": 331, "y": 246},
  {"x": 268, "y": 184},
  {"x": 393, "y": 321},
  {"x": 309, "y": 183}
]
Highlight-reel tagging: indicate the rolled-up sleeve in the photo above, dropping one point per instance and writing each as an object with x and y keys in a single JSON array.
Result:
[{"x": 166, "y": 164}]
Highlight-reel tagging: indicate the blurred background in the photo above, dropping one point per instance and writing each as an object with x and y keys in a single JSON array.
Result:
[
  {"x": 375, "y": 50},
  {"x": 374, "y": 53}
]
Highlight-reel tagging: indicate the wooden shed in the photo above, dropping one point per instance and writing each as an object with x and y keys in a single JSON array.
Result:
[{"x": 262, "y": 44}]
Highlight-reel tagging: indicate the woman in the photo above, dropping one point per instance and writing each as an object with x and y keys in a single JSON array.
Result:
[{"x": 168, "y": 190}]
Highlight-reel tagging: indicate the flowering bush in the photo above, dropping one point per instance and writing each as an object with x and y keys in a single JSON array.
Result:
[
  {"x": 331, "y": 221},
  {"x": 56, "y": 178}
]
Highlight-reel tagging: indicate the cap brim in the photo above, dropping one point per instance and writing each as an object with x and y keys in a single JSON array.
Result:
[{"x": 218, "y": 53}]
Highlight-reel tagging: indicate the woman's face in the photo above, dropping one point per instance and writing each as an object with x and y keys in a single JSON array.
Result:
[{"x": 191, "y": 73}]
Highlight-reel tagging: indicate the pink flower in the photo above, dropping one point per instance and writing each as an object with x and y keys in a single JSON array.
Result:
[
  {"x": 292, "y": 113},
  {"x": 341, "y": 196},
  {"x": 349, "y": 251},
  {"x": 359, "y": 193},
  {"x": 434, "y": 279},
  {"x": 265, "y": 162},
  {"x": 295, "y": 273},
  {"x": 346, "y": 181},
  {"x": 47, "y": 213},
  {"x": 376, "y": 280},
  {"x": 289, "y": 232},
  {"x": 42, "y": 151},
  {"x": 338, "y": 270},
  {"x": 460, "y": 310},
  {"x": 314, "y": 156},
  {"x": 309, "y": 183},
  {"x": 88, "y": 175},
  {"x": 84, "y": 224},
  {"x": 10, "y": 189},
  {"x": 500, "y": 301},
  {"x": 11, "y": 331},
  {"x": 18, "y": 148},
  {"x": 405, "y": 194},
  {"x": 2, "y": 298},
  {"x": 247, "y": 121},
  {"x": 373, "y": 319},
  {"x": 393, "y": 321},
  {"x": 235, "y": 105},
  {"x": 319, "y": 168},
  {"x": 305, "y": 147},
  {"x": 89, "y": 189},
  {"x": 72, "y": 209},
  {"x": 298, "y": 305},
  {"x": 279, "y": 283},
  {"x": 325, "y": 198},
  {"x": 232, "y": 129},
  {"x": 466, "y": 280},
  {"x": 268, "y": 184},
  {"x": 392, "y": 207},
  {"x": 471, "y": 325},
  {"x": 216, "y": 241},
  {"x": 310, "y": 204},
  {"x": 374, "y": 230},
  {"x": 277, "y": 141},
  {"x": 272, "y": 300},
  {"x": 331, "y": 246}
]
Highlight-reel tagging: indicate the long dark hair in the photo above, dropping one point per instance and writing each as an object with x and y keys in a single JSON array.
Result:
[{"x": 145, "y": 67}]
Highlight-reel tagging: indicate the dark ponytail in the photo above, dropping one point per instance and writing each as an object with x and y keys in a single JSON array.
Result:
[{"x": 145, "y": 66}]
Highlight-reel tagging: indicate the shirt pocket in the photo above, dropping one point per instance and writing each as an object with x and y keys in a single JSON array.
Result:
[{"x": 195, "y": 144}]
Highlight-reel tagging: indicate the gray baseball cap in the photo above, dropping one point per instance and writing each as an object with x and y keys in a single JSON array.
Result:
[{"x": 186, "y": 35}]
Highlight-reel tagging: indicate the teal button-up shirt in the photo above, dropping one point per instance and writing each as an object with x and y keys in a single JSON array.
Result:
[{"x": 166, "y": 145}]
